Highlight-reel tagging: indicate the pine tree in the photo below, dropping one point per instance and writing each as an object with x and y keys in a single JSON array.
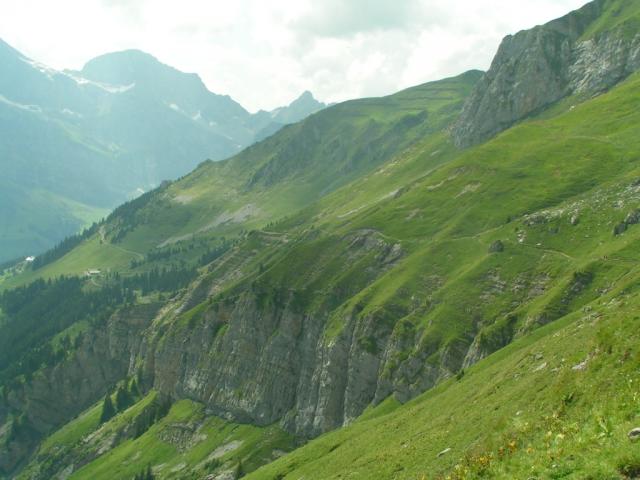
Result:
[
  {"x": 123, "y": 399},
  {"x": 108, "y": 411}
]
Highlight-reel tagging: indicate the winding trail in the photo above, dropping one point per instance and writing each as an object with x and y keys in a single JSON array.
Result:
[{"x": 104, "y": 241}]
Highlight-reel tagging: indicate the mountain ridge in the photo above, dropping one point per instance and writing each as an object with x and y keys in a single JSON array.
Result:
[
  {"x": 359, "y": 276},
  {"x": 104, "y": 135},
  {"x": 545, "y": 65}
]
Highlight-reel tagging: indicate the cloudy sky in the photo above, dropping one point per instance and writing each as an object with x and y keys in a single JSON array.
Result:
[{"x": 264, "y": 53}]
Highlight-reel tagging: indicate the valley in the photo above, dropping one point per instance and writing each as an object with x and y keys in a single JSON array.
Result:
[
  {"x": 78, "y": 143},
  {"x": 437, "y": 284}
]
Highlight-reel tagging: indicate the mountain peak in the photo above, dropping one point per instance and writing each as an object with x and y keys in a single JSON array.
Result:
[
  {"x": 129, "y": 66},
  {"x": 303, "y": 106},
  {"x": 123, "y": 56},
  {"x": 306, "y": 95}
]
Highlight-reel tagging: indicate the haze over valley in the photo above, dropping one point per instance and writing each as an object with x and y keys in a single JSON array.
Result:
[{"x": 440, "y": 281}]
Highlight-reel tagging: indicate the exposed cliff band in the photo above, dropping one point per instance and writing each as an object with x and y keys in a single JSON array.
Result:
[{"x": 536, "y": 68}]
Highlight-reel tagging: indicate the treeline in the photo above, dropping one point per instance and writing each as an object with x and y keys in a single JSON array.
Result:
[
  {"x": 64, "y": 247},
  {"x": 160, "y": 255},
  {"x": 128, "y": 394},
  {"x": 164, "y": 279},
  {"x": 127, "y": 210},
  {"x": 125, "y": 214},
  {"x": 19, "y": 427},
  {"x": 214, "y": 253},
  {"x": 167, "y": 253},
  {"x": 36, "y": 312}
]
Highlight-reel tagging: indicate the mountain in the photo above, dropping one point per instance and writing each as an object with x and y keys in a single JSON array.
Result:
[
  {"x": 160, "y": 86},
  {"x": 353, "y": 296},
  {"x": 79, "y": 143},
  {"x": 584, "y": 53},
  {"x": 201, "y": 218},
  {"x": 299, "y": 109}
]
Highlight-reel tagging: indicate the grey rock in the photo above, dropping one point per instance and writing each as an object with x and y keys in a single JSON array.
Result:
[
  {"x": 496, "y": 247},
  {"x": 634, "y": 434},
  {"x": 535, "y": 68},
  {"x": 540, "y": 367},
  {"x": 274, "y": 363},
  {"x": 226, "y": 475},
  {"x": 580, "y": 366},
  {"x": 62, "y": 392},
  {"x": 633, "y": 218},
  {"x": 620, "y": 228}
]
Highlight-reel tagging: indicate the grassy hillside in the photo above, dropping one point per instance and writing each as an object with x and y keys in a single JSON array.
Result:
[
  {"x": 274, "y": 178},
  {"x": 505, "y": 276},
  {"x": 618, "y": 14},
  {"x": 550, "y": 193},
  {"x": 184, "y": 443},
  {"x": 557, "y": 404}
]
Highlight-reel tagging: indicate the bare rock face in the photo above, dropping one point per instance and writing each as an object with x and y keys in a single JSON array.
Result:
[
  {"x": 261, "y": 358},
  {"x": 265, "y": 361},
  {"x": 535, "y": 68},
  {"x": 61, "y": 392},
  {"x": 268, "y": 364}
]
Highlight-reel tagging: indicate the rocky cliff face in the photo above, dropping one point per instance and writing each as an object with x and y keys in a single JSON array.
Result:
[
  {"x": 258, "y": 351},
  {"x": 535, "y": 68},
  {"x": 59, "y": 393},
  {"x": 261, "y": 359},
  {"x": 276, "y": 364},
  {"x": 304, "y": 347}
]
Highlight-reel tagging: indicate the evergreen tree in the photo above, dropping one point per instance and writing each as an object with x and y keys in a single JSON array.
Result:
[
  {"x": 123, "y": 399},
  {"x": 108, "y": 411},
  {"x": 134, "y": 391}
]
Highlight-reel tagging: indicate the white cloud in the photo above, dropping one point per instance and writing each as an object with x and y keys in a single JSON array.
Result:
[{"x": 264, "y": 53}]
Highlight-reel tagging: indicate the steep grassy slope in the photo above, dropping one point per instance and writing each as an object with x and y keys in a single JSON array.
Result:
[
  {"x": 104, "y": 135},
  {"x": 275, "y": 178},
  {"x": 406, "y": 281},
  {"x": 557, "y": 404},
  {"x": 525, "y": 189},
  {"x": 184, "y": 443},
  {"x": 390, "y": 125},
  {"x": 418, "y": 262},
  {"x": 624, "y": 14},
  {"x": 447, "y": 301}
]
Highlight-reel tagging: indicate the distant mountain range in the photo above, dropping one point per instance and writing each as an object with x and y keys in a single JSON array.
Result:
[
  {"x": 75, "y": 144},
  {"x": 442, "y": 283}
]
